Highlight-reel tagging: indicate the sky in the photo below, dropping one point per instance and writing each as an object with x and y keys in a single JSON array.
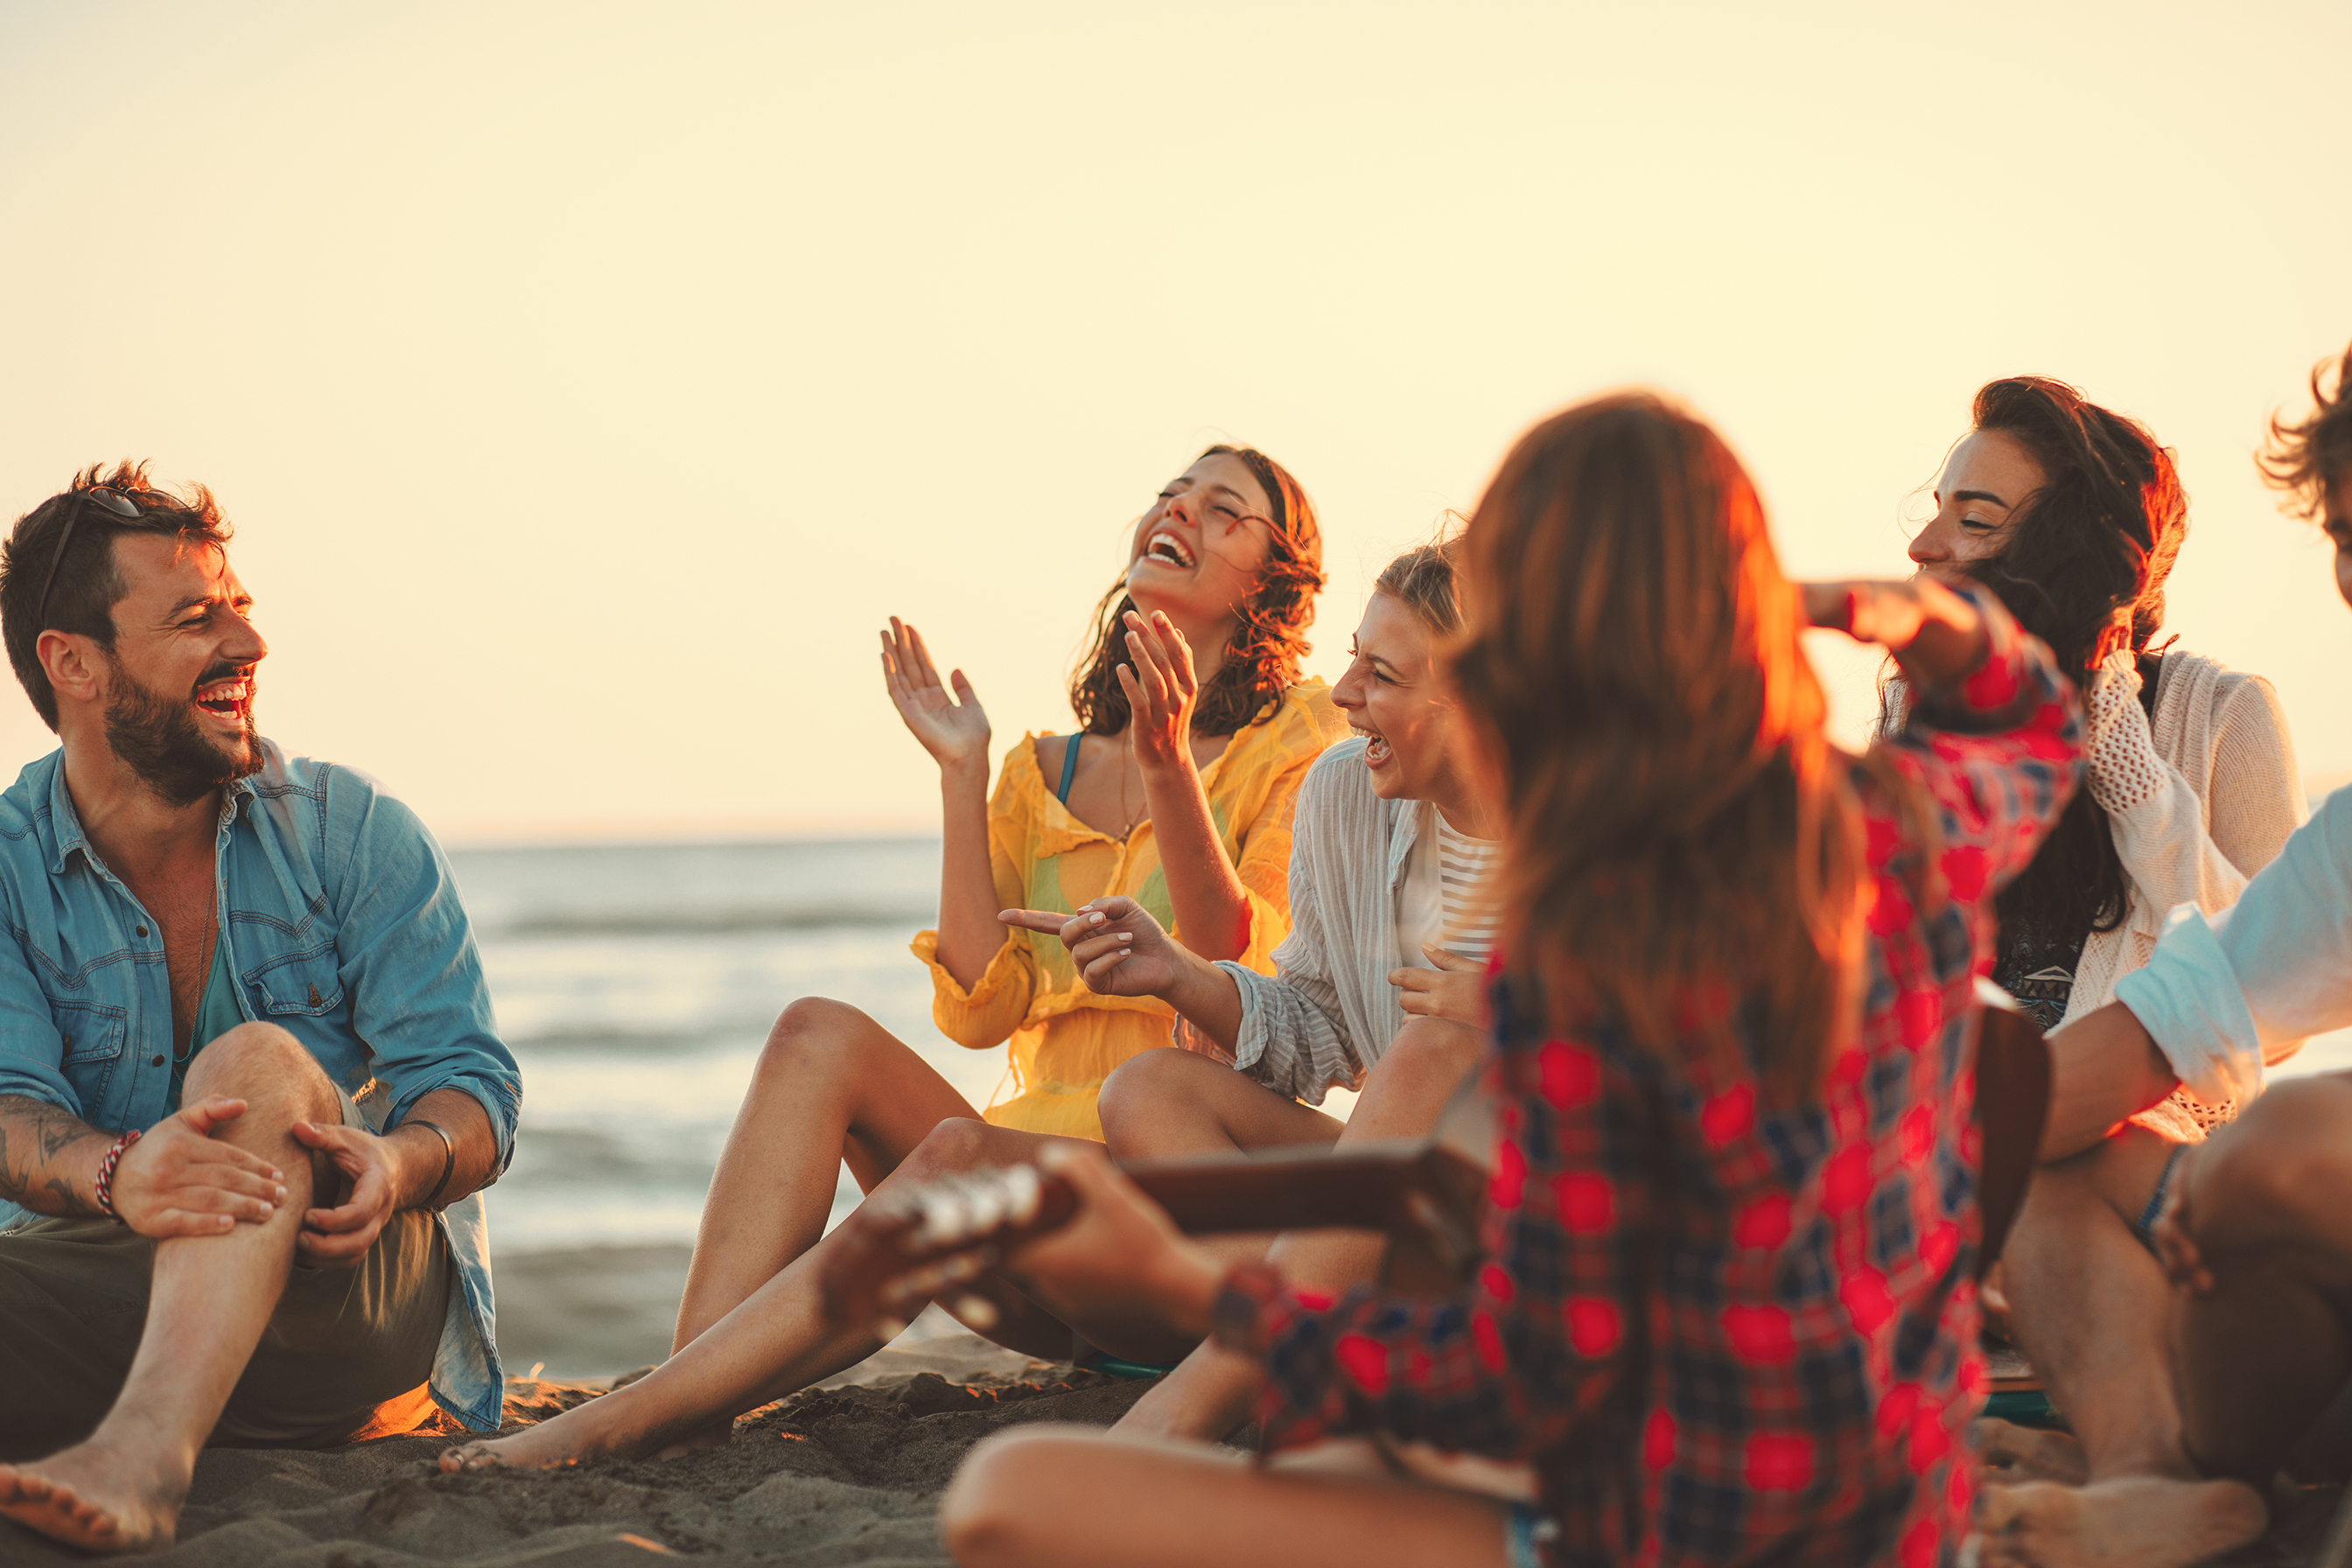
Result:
[{"x": 588, "y": 382}]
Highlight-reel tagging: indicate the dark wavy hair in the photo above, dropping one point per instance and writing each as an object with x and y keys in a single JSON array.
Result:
[
  {"x": 2100, "y": 536},
  {"x": 1269, "y": 637},
  {"x": 2312, "y": 457},
  {"x": 87, "y": 583}
]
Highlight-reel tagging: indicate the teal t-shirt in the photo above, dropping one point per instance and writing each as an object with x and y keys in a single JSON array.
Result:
[{"x": 217, "y": 1015}]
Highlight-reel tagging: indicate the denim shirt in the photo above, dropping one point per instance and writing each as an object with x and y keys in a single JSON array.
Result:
[{"x": 343, "y": 926}]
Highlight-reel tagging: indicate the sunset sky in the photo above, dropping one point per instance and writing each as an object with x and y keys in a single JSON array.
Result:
[{"x": 589, "y": 381}]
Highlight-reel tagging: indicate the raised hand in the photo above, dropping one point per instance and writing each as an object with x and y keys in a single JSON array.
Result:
[
  {"x": 1455, "y": 990},
  {"x": 952, "y": 729},
  {"x": 179, "y": 1180},
  {"x": 1161, "y": 691},
  {"x": 1120, "y": 949}
]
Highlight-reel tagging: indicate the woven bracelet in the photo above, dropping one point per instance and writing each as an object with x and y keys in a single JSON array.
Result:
[{"x": 106, "y": 1165}]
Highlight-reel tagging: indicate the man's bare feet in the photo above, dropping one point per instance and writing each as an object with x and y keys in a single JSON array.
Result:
[
  {"x": 2146, "y": 1522},
  {"x": 95, "y": 1497},
  {"x": 2010, "y": 1454}
]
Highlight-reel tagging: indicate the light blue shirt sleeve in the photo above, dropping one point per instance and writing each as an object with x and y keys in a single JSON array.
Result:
[
  {"x": 2226, "y": 997},
  {"x": 405, "y": 953}
]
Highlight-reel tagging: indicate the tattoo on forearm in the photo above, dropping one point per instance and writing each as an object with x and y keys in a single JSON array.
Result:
[{"x": 32, "y": 1136}]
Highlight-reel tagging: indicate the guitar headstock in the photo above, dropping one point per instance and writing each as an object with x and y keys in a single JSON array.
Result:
[{"x": 926, "y": 1241}]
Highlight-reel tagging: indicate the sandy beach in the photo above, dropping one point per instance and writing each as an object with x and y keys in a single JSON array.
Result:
[{"x": 848, "y": 1472}]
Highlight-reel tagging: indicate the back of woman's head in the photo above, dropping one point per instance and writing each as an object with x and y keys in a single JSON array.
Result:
[
  {"x": 1633, "y": 654},
  {"x": 2102, "y": 532}
]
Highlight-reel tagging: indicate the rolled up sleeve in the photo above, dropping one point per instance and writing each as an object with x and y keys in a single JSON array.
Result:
[{"x": 406, "y": 956}]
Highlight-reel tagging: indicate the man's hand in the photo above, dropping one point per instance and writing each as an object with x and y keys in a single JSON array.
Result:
[
  {"x": 1455, "y": 990},
  {"x": 340, "y": 1236},
  {"x": 1119, "y": 948},
  {"x": 2175, "y": 1247},
  {"x": 178, "y": 1180}
]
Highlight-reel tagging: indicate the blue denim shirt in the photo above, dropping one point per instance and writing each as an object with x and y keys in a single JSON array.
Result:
[{"x": 343, "y": 927}]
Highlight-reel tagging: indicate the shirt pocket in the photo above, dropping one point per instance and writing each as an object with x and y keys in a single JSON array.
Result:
[
  {"x": 306, "y": 983},
  {"x": 92, "y": 1035}
]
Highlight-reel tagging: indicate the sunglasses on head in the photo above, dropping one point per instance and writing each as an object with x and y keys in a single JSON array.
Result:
[{"x": 104, "y": 496}]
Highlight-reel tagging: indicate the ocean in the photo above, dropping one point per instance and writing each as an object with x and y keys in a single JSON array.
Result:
[{"x": 635, "y": 985}]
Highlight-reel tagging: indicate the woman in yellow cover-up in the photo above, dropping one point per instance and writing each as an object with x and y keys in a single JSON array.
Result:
[{"x": 1195, "y": 733}]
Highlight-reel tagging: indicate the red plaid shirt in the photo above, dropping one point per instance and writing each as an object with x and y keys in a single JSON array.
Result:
[{"x": 1723, "y": 1330}]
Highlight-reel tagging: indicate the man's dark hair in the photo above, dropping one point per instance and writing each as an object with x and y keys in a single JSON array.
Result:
[
  {"x": 2312, "y": 457},
  {"x": 87, "y": 583}
]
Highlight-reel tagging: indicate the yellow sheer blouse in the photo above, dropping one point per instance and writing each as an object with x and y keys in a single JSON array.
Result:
[{"x": 1067, "y": 1039}]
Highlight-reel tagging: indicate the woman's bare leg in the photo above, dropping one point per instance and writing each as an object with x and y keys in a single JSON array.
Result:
[
  {"x": 1042, "y": 1497},
  {"x": 1209, "y": 1394},
  {"x": 832, "y": 1085}
]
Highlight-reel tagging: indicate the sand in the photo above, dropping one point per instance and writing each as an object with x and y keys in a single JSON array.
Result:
[{"x": 848, "y": 1472}]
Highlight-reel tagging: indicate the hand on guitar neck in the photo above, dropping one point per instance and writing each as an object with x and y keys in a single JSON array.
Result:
[{"x": 1085, "y": 1239}]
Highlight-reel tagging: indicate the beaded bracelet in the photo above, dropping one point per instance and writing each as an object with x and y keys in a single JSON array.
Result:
[{"x": 106, "y": 1165}]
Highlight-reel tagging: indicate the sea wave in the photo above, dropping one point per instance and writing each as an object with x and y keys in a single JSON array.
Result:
[{"x": 708, "y": 921}]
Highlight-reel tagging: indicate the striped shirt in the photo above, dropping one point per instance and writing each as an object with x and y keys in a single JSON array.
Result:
[{"x": 1472, "y": 917}]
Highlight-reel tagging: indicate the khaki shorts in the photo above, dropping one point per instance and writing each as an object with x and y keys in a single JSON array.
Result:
[{"x": 73, "y": 1303}]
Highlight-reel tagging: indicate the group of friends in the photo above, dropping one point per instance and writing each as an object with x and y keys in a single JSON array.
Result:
[{"x": 1570, "y": 829}]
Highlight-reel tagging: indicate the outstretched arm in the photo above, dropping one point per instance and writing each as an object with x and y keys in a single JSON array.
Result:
[
  {"x": 1935, "y": 633},
  {"x": 954, "y": 730},
  {"x": 1121, "y": 950}
]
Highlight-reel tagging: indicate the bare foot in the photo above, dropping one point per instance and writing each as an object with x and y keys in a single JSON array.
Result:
[
  {"x": 2146, "y": 1522},
  {"x": 609, "y": 1424},
  {"x": 91, "y": 1496},
  {"x": 2010, "y": 1454}
]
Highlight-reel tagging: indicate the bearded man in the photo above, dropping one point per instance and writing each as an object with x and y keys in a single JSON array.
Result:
[{"x": 249, "y": 1083}]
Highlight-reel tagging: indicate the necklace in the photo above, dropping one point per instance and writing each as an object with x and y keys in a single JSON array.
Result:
[{"x": 204, "y": 984}]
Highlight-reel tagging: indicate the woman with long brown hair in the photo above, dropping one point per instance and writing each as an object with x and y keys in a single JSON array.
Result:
[
  {"x": 2074, "y": 514},
  {"x": 1727, "y": 1306},
  {"x": 1195, "y": 732}
]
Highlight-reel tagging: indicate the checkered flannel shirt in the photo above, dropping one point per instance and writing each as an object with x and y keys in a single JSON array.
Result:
[{"x": 1726, "y": 1328}]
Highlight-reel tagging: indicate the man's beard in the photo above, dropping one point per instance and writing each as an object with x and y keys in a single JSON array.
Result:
[{"x": 158, "y": 740}]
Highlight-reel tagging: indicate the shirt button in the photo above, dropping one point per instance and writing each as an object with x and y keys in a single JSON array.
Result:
[
  {"x": 141, "y": 930},
  {"x": 156, "y": 1062}
]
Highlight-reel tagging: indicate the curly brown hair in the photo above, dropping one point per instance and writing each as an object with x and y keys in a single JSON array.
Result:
[
  {"x": 2311, "y": 458},
  {"x": 1268, "y": 640}
]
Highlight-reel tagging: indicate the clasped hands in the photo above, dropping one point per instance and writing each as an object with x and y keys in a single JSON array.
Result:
[{"x": 179, "y": 1180}]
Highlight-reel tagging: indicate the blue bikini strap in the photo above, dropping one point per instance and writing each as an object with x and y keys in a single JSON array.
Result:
[{"x": 1069, "y": 769}]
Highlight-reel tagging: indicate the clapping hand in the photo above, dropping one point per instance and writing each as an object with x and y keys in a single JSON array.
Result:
[
  {"x": 1119, "y": 948},
  {"x": 1162, "y": 690},
  {"x": 952, "y": 729}
]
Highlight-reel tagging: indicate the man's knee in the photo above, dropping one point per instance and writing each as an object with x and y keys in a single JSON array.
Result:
[
  {"x": 2290, "y": 1153},
  {"x": 262, "y": 1062}
]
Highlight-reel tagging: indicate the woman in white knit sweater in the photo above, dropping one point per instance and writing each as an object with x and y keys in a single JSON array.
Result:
[{"x": 2074, "y": 515}]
